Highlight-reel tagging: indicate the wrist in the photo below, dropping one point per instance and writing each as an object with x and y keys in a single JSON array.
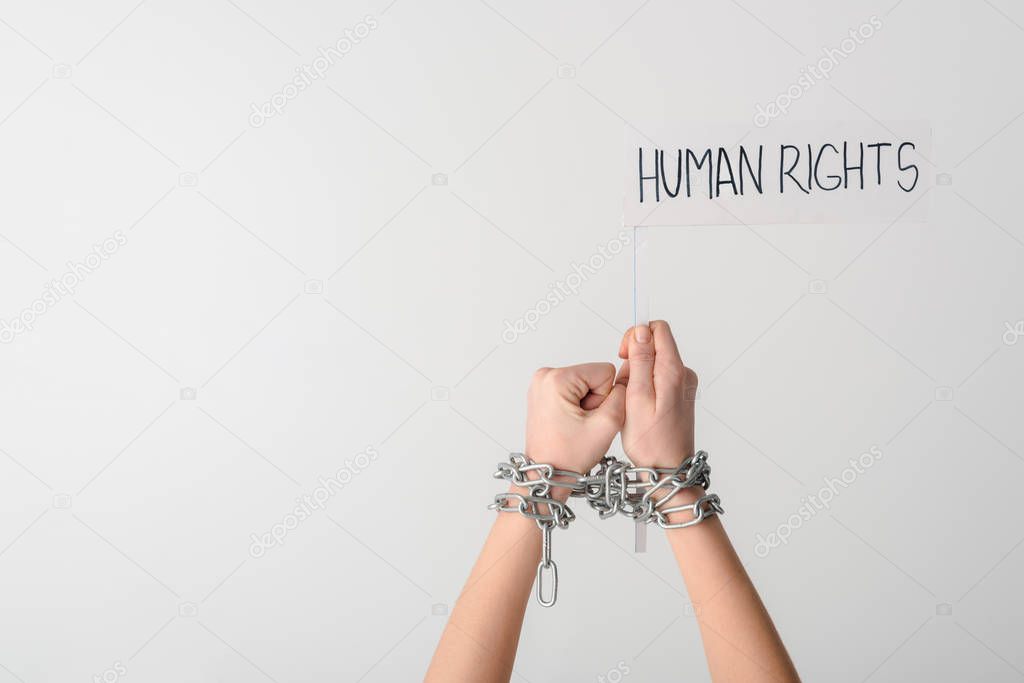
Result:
[
  {"x": 666, "y": 499},
  {"x": 558, "y": 493},
  {"x": 687, "y": 496},
  {"x": 663, "y": 461}
]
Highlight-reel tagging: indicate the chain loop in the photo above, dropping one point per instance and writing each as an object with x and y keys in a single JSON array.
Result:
[
  {"x": 613, "y": 487},
  {"x": 546, "y": 563}
]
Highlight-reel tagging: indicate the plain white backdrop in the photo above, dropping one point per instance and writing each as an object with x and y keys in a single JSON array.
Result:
[{"x": 336, "y": 281}]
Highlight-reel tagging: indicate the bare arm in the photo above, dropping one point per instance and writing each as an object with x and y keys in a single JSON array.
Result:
[
  {"x": 740, "y": 640},
  {"x": 479, "y": 643},
  {"x": 572, "y": 416}
]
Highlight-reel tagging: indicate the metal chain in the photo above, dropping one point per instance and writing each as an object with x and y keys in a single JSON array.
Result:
[
  {"x": 613, "y": 487},
  {"x": 554, "y": 513}
]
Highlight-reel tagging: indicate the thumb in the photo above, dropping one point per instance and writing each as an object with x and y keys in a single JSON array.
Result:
[
  {"x": 640, "y": 386},
  {"x": 613, "y": 408}
]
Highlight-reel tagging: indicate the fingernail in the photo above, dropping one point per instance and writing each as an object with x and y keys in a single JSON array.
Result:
[{"x": 642, "y": 333}]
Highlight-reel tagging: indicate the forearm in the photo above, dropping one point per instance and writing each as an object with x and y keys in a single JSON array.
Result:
[
  {"x": 740, "y": 640},
  {"x": 479, "y": 643}
]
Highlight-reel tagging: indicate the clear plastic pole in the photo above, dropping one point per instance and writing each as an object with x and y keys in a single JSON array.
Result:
[{"x": 641, "y": 316}]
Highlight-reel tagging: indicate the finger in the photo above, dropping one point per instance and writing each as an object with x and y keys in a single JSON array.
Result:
[
  {"x": 588, "y": 382},
  {"x": 613, "y": 408},
  {"x": 624, "y": 344},
  {"x": 665, "y": 344},
  {"x": 640, "y": 388}
]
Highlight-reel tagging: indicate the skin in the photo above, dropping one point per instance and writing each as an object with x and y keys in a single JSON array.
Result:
[{"x": 573, "y": 414}]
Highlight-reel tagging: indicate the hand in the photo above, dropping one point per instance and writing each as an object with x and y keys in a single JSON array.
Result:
[
  {"x": 573, "y": 414},
  {"x": 660, "y": 391}
]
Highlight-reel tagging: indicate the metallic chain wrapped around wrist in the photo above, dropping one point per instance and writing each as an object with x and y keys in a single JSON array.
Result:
[{"x": 613, "y": 487}]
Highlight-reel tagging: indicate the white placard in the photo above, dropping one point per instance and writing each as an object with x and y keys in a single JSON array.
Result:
[{"x": 844, "y": 172}]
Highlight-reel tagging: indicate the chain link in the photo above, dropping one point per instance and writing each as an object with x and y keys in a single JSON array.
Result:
[{"x": 613, "y": 487}]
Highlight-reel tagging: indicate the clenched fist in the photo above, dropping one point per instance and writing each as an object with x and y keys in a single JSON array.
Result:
[{"x": 573, "y": 414}]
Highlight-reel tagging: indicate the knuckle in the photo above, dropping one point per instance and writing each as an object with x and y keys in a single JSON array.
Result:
[
  {"x": 680, "y": 377},
  {"x": 690, "y": 382},
  {"x": 555, "y": 375},
  {"x": 641, "y": 356},
  {"x": 538, "y": 377}
]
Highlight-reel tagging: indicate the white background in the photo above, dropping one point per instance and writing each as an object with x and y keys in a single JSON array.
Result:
[{"x": 126, "y": 511}]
